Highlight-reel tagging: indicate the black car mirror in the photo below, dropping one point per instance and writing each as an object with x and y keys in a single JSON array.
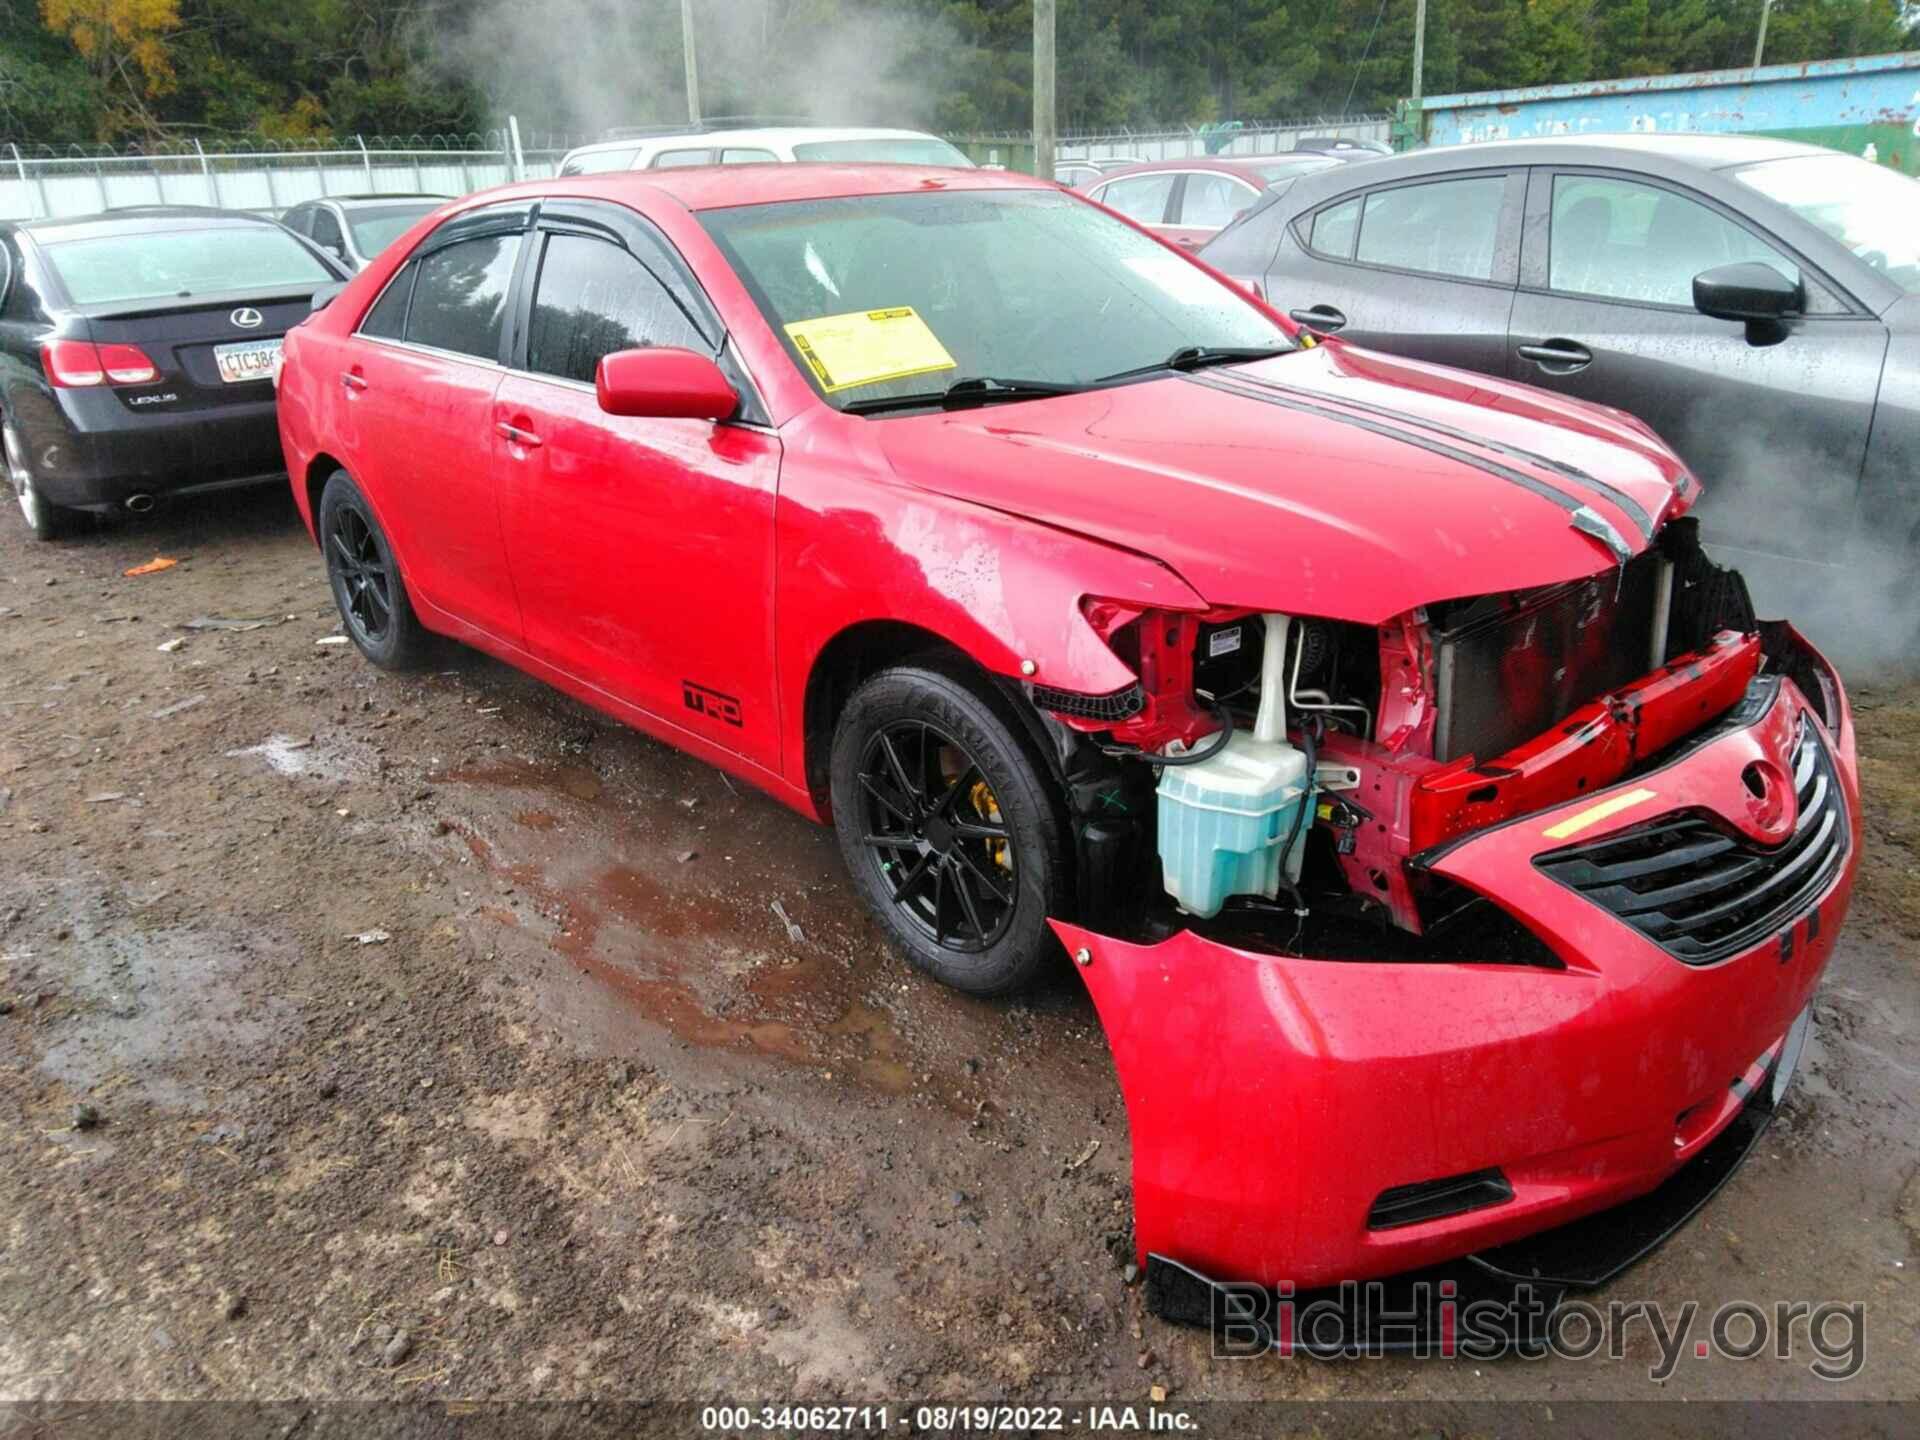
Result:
[{"x": 1750, "y": 291}]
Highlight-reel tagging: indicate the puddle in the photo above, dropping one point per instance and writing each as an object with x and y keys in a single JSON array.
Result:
[
  {"x": 152, "y": 1006},
  {"x": 596, "y": 873}
]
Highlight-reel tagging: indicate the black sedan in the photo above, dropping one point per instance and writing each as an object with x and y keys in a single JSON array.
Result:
[
  {"x": 137, "y": 350},
  {"x": 1754, "y": 301}
]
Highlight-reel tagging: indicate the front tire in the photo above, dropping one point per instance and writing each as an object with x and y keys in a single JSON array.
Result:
[
  {"x": 952, "y": 827},
  {"x": 46, "y": 520},
  {"x": 367, "y": 587}
]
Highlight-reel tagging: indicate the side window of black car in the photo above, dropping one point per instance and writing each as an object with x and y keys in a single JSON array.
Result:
[
  {"x": 593, "y": 298},
  {"x": 460, "y": 296}
]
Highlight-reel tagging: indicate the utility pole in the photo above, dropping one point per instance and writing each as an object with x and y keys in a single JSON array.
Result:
[
  {"x": 1043, "y": 77},
  {"x": 1419, "y": 52},
  {"x": 1760, "y": 40},
  {"x": 693, "y": 65}
]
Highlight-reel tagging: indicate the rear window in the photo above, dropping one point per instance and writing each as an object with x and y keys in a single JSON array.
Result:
[
  {"x": 923, "y": 150},
  {"x": 374, "y": 230},
  {"x": 158, "y": 266}
]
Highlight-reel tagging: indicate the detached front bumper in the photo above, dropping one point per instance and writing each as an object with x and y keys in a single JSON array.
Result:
[{"x": 1308, "y": 1122}]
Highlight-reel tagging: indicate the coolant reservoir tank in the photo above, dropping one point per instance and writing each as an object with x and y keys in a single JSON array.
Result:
[{"x": 1225, "y": 820}]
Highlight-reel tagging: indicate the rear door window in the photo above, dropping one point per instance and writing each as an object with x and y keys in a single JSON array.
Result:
[
  {"x": 593, "y": 298},
  {"x": 746, "y": 157},
  {"x": 326, "y": 231},
  {"x": 1334, "y": 229},
  {"x": 460, "y": 296},
  {"x": 1212, "y": 200},
  {"x": 1140, "y": 197},
  {"x": 1447, "y": 227}
]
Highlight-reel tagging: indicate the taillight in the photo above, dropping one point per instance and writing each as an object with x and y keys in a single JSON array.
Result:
[{"x": 78, "y": 364}]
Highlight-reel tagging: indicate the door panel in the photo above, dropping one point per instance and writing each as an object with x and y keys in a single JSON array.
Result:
[
  {"x": 1422, "y": 270},
  {"x": 642, "y": 548},
  {"x": 1776, "y": 432},
  {"x": 643, "y": 555}
]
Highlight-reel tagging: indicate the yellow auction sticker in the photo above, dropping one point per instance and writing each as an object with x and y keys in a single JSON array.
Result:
[
  {"x": 867, "y": 347},
  {"x": 1594, "y": 814}
]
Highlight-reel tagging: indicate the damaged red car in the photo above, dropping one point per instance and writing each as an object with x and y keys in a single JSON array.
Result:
[{"x": 1450, "y": 852}]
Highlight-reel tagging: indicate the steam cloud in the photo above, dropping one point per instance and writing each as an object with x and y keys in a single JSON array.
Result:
[{"x": 580, "y": 66}]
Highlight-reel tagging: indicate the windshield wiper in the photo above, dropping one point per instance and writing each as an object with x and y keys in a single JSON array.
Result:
[
  {"x": 962, "y": 395},
  {"x": 1199, "y": 357}
]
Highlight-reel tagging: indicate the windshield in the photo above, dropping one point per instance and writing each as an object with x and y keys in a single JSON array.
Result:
[
  {"x": 1873, "y": 211},
  {"x": 886, "y": 295},
  {"x": 374, "y": 230},
  {"x": 901, "y": 150},
  {"x": 158, "y": 265}
]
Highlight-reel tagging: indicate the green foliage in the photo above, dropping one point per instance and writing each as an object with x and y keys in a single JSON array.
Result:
[{"x": 87, "y": 70}]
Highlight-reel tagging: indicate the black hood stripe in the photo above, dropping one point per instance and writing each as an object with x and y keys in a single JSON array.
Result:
[
  {"x": 1580, "y": 515},
  {"x": 1629, "y": 506}
]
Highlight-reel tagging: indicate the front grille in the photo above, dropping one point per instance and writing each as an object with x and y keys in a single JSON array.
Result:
[
  {"x": 1120, "y": 705},
  {"x": 1702, "y": 892}
]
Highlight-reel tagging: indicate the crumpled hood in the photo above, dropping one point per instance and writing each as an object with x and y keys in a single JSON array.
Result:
[{"x": 1336, "y": 481}]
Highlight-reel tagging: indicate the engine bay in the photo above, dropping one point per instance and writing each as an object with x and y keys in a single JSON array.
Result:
[{"x": 1278, "y": 780}]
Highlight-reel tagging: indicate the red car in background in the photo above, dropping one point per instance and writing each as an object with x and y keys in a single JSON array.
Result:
[
  {"x": 1450, "y": 853},
  {"x": 1190, "y": 201}
]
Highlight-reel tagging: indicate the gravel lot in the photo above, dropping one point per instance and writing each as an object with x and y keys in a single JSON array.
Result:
[{"x": 435, "y": 1037}]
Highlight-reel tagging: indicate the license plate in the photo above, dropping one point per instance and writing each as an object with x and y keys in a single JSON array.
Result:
[{"x": 247, "y": 360}]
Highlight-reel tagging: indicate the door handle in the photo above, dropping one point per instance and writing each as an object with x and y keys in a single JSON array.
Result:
[
  {"x": 1558, "y": 357},
  {"x": 518, "y": 436},
  {"x": 352, "y": 382},
  {"x": 1319, "y": 317}
]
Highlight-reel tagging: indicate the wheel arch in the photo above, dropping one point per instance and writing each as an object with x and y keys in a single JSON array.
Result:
[
  {"x": 862, "y": 650},
  {"x": 320, "y": 470}
]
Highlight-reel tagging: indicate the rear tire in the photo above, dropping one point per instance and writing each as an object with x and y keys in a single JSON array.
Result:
[
  {"x": 46, "y": 520},
  {"x": 952, "y": 826},
  {"x": 367, "y": 587}
]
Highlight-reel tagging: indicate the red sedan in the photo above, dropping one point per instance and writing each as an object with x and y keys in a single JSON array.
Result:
[
  {"x": 1449, "y": 851},
  {"x": 1190, "y": 201}
]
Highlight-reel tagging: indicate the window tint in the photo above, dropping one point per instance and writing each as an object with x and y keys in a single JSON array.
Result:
[
  {"x": 1140, "y": 197},
  {"x": 674, "y": 159},
  {"x": 326, "y": 230},
  {"x": 460, "y": 296},
  {"x": 746, "y": 157},
  {"x": 1629, "y": 241},
  {"x": 163, "y": 264},
  {"x": 1212, "y": 201},
  {"x": 594, "y": 298},
  {"x": 1334, "y": 227},
  {"x": 1449, "y": 227},
  {"x": 387, "y": 320},
  {"x": 299, "y": 220},
  {"x": 598, "y": 162}
]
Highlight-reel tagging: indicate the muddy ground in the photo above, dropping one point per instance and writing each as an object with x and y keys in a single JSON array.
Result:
[{"x": 436, "y": 1037}]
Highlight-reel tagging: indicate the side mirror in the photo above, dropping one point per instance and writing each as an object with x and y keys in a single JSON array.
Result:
[
  {"x": 666, "y": 383},
  {"x": 324, "y": 296},
  {"x": 1753, "y": 292}
]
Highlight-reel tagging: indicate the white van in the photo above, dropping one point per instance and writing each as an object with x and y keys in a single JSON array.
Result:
[{"x": 784, "y": 143}]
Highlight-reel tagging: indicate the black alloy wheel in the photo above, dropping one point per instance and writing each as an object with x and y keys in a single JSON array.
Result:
[
  {"x": 367, "y": 585},
  {"x": 934, "y": 828}
]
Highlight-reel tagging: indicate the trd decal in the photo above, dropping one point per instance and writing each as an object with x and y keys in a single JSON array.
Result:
[{"x": 710, "y": 702}]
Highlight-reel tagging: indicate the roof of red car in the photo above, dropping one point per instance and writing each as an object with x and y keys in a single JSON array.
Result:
[{"x": 712, "y": 187}]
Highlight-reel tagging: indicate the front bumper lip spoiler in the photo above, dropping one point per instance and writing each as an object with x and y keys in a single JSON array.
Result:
[{"x": 1551, "y": 1266}]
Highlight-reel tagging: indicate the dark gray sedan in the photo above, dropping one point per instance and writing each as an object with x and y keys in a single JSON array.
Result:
[{"x": 1756, "y": 302}]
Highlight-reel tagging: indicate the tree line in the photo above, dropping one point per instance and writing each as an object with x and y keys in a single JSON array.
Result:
[{"x": 120, "y": 71}]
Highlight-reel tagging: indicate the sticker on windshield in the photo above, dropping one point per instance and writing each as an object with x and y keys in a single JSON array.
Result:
[{"x": 867, "y": 347}]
